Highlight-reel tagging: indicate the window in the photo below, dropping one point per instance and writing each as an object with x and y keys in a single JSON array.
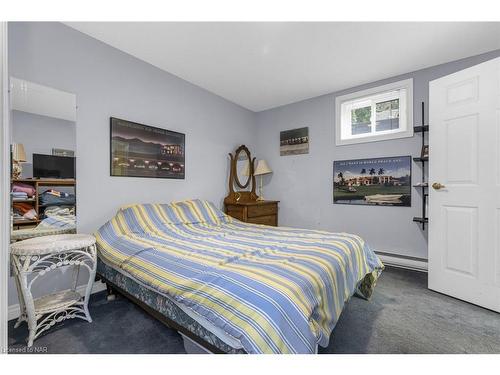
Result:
[{"x": 375, "y": 114}]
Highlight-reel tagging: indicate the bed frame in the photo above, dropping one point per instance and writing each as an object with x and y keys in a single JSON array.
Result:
[
  {"x": 121, "y": 284},
  {"x": 113, "y": 289}
]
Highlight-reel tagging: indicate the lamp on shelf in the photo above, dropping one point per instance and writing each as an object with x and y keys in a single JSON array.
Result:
[
  {"x": 262, "y": 169},
  {"x": 18, "y": 157}
]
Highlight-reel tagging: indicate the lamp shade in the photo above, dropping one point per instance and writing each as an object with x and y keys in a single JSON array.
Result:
[
  {"x": 18, "y": 153},
  {"x": 262, "y": 168}
]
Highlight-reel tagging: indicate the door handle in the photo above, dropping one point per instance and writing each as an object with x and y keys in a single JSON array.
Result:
[{"x": 437, "y": 186}]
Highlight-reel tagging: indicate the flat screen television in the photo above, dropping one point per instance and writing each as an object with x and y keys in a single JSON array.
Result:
[{"x": 49, "y": 166}]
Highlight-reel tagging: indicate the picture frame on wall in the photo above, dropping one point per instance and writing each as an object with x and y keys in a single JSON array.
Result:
[
  {"x": 294, "y": 141},
  {"x": 384, "y": 181},
  {"x": 138, "y": 150},
  {"x": 62, "y": 152},
  {"x": 425, "y": 151}
]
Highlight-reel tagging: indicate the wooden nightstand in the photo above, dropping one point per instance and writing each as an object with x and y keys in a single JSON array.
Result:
[{"x": 256, "y": 212}]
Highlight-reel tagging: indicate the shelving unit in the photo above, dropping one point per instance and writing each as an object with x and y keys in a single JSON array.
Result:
[
  {"x": 424, "y": 184},
  {"x": 36, "y": 183}
]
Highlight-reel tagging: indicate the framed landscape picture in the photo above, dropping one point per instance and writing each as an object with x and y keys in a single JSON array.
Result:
[
  {"x": 294, "y": 142},
  {"x": 145, "y": 151},
  {"x": 377, "y": 181}
]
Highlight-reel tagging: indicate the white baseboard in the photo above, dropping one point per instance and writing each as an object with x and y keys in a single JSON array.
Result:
[
  {"x": 14, "y": 310},
  {"x": 402, "y": 261}
]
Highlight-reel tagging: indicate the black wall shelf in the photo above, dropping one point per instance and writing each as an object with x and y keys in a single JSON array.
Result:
[
  {"x": 421, "y": 129},
  {"x": 422, "y": 220},
  {"x": 421, "y": 159},
  {"x": 424, "y": 185}
]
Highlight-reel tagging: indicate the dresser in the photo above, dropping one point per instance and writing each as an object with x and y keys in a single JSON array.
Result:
[{"x": 256, "y": 212}]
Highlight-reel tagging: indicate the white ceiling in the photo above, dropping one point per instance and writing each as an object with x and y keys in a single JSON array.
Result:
[{"x": 264, "y": 65}]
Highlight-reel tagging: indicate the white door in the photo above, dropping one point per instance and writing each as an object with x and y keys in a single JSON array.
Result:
[{"x": 464, "y": 156}]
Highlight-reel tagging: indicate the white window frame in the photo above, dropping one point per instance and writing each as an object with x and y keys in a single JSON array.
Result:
[{"x": 359, "y": 99}]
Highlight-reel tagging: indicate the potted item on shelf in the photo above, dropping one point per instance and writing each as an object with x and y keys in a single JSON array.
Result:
[{"x": 425, "y": 151}]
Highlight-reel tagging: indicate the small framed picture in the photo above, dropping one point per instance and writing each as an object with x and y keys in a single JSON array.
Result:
[
  {"x": 294, "y": 141},
  {"x": 425, "y": 151},
  {"x": 62, "y": 152}
]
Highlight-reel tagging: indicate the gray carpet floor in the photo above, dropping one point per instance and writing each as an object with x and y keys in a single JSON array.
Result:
[{"x": 403, "y": 316}]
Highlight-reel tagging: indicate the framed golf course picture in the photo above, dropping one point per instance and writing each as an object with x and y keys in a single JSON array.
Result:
[{"x": 377, "y": 181}]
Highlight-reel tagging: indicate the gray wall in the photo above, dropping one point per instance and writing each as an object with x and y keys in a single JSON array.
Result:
[
  {"x": 303, "y": 183},
  {"x": 40, "y": 134},
  {"x": 108, "y": 82}
]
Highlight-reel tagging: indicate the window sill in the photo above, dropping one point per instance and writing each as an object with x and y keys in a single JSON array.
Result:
[{"x": 374, "y": 138}]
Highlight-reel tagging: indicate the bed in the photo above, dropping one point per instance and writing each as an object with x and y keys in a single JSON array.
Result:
[{"x": 231, "y": 286}]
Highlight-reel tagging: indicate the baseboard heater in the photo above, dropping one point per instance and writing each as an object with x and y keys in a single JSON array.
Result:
[{"x": 403, "y": 261}]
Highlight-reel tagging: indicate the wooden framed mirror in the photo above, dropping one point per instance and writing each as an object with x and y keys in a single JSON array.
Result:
[
  {"x": 242, "y": 171},
  {"x": 241, "y": 178}
]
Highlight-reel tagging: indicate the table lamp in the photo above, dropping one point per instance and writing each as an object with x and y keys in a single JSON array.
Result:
[
  {"x": 18, "y": 156},
  {"x": 262, "y": 169}
]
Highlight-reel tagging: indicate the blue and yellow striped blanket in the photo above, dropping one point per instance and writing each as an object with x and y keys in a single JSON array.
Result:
[{"x": 276, "y": 290}]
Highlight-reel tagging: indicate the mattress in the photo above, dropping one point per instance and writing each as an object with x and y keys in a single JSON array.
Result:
[{"x": 273, "y": 289}]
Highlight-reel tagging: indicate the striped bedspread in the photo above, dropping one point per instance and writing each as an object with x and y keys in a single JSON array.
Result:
[{"x": 276, "y": 290}]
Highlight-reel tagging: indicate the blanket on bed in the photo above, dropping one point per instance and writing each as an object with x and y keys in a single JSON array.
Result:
[{"x": 275, "y": 289}]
